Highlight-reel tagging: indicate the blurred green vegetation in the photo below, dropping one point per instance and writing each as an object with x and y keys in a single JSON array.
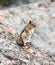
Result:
[{"x": 7, "y": 2}]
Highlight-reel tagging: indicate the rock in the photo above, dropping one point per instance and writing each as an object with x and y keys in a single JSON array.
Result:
[{"x": 41, "y": 51}]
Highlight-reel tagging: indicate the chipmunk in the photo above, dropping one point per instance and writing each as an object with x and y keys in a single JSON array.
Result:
[{"x": 25, "y": 33}]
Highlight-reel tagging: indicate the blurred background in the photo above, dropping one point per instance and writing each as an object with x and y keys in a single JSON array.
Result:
[
  {"x": 17, "y": 2},
  {"x": 12, "y": 3}
]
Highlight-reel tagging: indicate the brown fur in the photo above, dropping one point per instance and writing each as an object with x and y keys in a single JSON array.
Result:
[{"x": 27, "y": 30}]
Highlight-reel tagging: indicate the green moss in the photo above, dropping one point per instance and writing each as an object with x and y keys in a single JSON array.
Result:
[
  {"x": 1, "y": 1},
  {"x": 7, "y": 2}
]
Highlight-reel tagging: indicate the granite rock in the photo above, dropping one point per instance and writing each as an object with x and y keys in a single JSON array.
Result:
[{"x": 41, "y": 51}]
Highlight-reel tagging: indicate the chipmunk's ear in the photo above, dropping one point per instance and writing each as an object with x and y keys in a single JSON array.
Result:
[
  {"x": 33, "y": 24},
  {"x": 30, "y": 22}
]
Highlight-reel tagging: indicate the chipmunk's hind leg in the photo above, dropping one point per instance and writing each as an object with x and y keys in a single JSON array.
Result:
[{"x": 18, "y": 41}]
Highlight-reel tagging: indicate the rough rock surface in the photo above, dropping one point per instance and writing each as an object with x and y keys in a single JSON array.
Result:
[{"x": 41, "y": 50}]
